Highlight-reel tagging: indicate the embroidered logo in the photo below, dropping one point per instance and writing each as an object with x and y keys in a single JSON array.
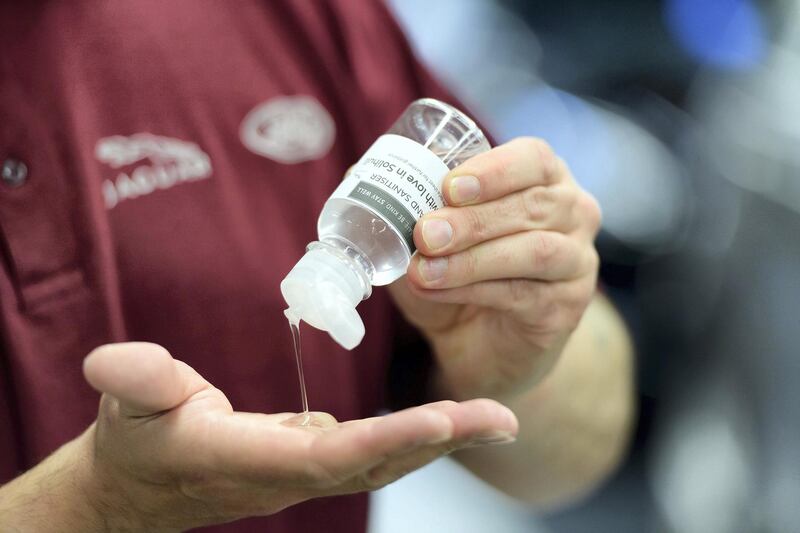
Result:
[
  {"x": 288, "y": 129},
  {"x": 172, "y": 161}
]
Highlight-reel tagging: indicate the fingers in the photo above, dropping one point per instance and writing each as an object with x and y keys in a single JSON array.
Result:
[
  {"x": 514, "y": 166},
  {"x": 479, "y": 421},
  {"x": 540, "y": 255},
  {"x": 397, "y": 467},
  {"x": 418, "y": 434},
  {"x": 551, "y": 305},
  {"x": 264, "y": 449},
  {"x": 475, "y": 422},
  {"x": 453, "y": 229},
  {"x": 361, "y": 445},
  {"x": 527, "y": 220},
  {"x": 143, "y": 377}
]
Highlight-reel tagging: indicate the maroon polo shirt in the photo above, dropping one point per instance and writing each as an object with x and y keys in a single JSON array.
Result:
[{"x": 163, "y": 167}]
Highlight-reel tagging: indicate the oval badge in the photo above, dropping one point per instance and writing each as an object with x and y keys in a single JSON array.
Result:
[{"x": 288, "y": 129}]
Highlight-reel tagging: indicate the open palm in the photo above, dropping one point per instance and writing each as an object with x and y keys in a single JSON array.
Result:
[{"x": 174, "y": 447}]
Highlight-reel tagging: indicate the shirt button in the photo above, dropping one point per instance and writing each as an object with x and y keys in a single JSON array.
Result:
[{"x": 14, "y": 172}]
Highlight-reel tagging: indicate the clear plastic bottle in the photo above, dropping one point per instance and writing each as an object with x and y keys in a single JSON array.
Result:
[{"x": 366, "y": 226}]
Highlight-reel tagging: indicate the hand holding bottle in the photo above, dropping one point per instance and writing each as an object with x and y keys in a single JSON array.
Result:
[{"x": 504, "y": 273}]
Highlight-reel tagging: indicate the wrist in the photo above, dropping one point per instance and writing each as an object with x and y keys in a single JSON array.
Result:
[
  {"x": 122, "y": 503},
  {"x": 101, "y": 492},
  {"x": 505, "y": 377},
  {"x": 62, "y": 493},
  {"x": 454, "y": 385}
]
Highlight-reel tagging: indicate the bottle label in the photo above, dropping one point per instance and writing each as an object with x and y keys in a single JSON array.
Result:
[{"x": 398, "y": 178}]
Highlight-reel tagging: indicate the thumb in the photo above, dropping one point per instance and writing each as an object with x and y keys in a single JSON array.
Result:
[{"x": 143, "y": 377}]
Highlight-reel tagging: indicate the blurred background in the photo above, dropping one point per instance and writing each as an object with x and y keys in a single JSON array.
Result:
[{"x": 683, "y": 118}]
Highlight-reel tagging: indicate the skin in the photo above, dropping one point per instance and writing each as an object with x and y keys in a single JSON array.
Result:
[
  {"x": 168, "y": 453},
  {"x": 506, "y": 315}
]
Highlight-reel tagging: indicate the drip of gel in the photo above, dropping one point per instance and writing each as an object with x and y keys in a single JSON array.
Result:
[
  {"x": 306, "y": 418},
  {"x": 294, "y": 324}
]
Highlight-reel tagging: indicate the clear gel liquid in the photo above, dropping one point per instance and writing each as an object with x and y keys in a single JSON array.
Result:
[
  {"x": 311, "y": 420},
  {"x": 306, "y": 418},
  {"x": 298, "y": 355}
]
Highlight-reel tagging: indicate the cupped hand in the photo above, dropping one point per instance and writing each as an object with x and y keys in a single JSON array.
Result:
[
  {"x": 169, "y": 452},
  {"x": 504, "y": 273}
]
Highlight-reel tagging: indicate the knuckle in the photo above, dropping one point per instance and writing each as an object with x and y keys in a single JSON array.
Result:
[
  {"x": 593, "y": 259},
  {"x": 506, "y": 255},
  {"x": 466, "y": 266},
  {"x": 577, "y": 302},
  {"x": 548, "y": 160},
  {"x": 522, "y": 292},
  {"x": 543, "y": 249},
  {"x": 534, "y": 202},
  {"x": 475, "y": 224},
  {"x": 536, "y": 145},
  {"x": 546, "y": 151},
  {"x": 571, "y": 195},
  {"x": 590, "y": 211},
  {"x": 501, "y": 164},
  {"x": 489, "y": 166}
]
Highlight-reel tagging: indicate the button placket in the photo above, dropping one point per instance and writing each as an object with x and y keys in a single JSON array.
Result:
[{"x": 35, "y": 226}]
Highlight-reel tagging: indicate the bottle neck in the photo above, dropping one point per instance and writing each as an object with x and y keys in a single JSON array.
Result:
[{"x": 356, "y": 260}]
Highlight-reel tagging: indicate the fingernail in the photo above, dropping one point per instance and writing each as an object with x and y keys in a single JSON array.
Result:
[
  {"x": 496, "y": 437},
  {"x": 432, "y": 269},
  {"x": 464, "y": 189},
  {"x": 437, "y": 233}
]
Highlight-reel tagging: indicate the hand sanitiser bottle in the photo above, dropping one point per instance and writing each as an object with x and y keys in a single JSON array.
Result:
[{"x": 366, "y": 227}]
